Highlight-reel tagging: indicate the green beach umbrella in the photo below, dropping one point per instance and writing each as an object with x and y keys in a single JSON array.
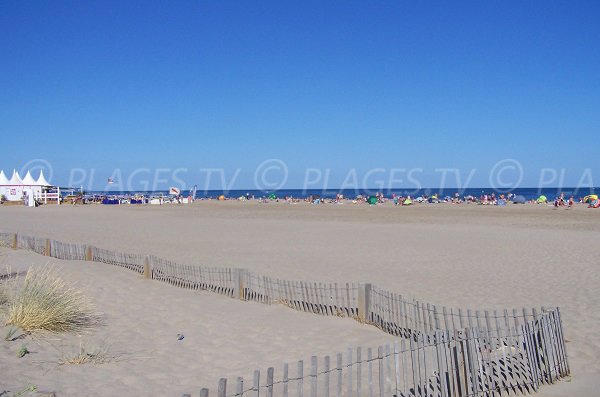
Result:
[{"x": 372, "y": 200}]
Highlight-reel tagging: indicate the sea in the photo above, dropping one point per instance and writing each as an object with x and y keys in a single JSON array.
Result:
[{"x": 528, "y": 193}]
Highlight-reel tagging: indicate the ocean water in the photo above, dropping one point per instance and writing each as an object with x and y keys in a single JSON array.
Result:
[{"x": 528, "y": 193}]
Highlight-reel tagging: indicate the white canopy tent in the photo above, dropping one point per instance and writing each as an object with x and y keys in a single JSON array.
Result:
[
  {"x": 15, "y": 188},
  {"x": 3, "y": 178}
]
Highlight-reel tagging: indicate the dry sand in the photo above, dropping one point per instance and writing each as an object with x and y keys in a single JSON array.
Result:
[{"x": 458, "y": 255}]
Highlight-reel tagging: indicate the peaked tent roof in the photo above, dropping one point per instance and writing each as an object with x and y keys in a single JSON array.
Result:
[
  {"x": 28, "y": 180},
  {"x": 3, "y": 178},
  {"x": 15, "y": 179},
  {"x": 41, "y": 181}
]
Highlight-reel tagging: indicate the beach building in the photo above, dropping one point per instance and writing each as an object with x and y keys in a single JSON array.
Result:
[{"x": 15, "y": 188}]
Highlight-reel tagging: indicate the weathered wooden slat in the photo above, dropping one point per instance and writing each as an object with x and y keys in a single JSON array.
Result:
[
  {"x": 318, "y": 298},
  {"x": 300, "y": 286},
  {"x": 313, "y": 376},
  {"x": 222, "y": 391},
  {"x": 397, "y": 374},
  {"x": 256, "y": 383},
  {"x": 270, "y": 371},
  {"x": 419, "y": 323},
  {"x": 529, "y": 346},
  {"x": 285, "y": 380},
  {"x": 239, "y": 388},
  {"x": 469, "y": 360},
  {"x": 370, "y": 371},
  {"x": 562, "y": 342},
  {"x": 543, "y": 348},
  {"x": 404, "y": 364},
  {"x": 326, "y": 377},
  {"x": 423, "y": 377},
  {"x": 388, "y": 370},
  {"x": 338, "y": 304},
  {"x": 300, "y": 379},
  {"x": 414, "y": 370},
  {"x": 338, "y": 368},
  {"x": 358, "y": 371},
  {"x": 441, "y": 370},
  {"x": 349, "y": 366},
  {"x": 381, "y": 372}
]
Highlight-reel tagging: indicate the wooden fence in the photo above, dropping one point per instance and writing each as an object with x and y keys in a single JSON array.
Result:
[
  {"x": 472, "y": 362},
  {"x": 442, "y": 352}
]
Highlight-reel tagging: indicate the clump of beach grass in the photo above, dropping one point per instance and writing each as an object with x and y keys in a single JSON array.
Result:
[
  {"x": 5, "y": 282},
  {"x": 3, "y": 296},
  {"x": 99, "y": 355},
  {"x": 23, "y": 351},
  {"x": 13, "y": 333},
  {"x": 44, "y": 302}
]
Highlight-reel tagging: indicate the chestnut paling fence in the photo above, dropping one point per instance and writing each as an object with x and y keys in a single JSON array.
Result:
[{"x": 441, "y": 352}]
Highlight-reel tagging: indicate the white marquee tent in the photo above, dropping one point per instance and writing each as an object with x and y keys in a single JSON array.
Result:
[{"x": 15, "y": 188}]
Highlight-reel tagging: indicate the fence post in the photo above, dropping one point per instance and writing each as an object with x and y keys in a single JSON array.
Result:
[
  {"x": 222, "y": 391},
  {"x": 89, "y": 253},
  {"x": 147, "y": 267},
  {"x": 48, "y": 247},
  {"x": 364, "y": 302},
  {"x": 238, "y": 283}
]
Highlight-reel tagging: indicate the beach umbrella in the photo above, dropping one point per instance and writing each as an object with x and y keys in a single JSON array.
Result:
[
  {"x": 519, "y": 200},
  {"x": 372, "y": 200}
]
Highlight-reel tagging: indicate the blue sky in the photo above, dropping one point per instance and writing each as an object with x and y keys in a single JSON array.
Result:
[{"x": 118, "y": 86}]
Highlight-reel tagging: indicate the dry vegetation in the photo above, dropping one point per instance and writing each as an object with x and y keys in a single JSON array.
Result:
[
  {"x": 44, "y": 302},
  {"x": 99, "y": 355}
]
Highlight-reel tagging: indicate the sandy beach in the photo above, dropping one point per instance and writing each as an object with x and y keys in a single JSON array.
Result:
[{"x": 465, "y": 256}]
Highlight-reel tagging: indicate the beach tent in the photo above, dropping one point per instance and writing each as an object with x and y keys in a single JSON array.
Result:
[
  {"x": 590, "y": 198},
  {"x": 41, "y": 181},
  {"x": 15, "y": 188},
  {"x": 15, "y": 179},
  {"x": 28, "y": 180},
  {"x": 519, "y": 200},
  {"x": 542, "y": 199},
  {"x": 11, "y": 189},
  {"x": 272, "y": 196},
  {"x": 221, "y": 198},
  {"x": 407, "y": 202},
  {"x": 372, "y": 200},
  {"x": 3, "y": 178}
]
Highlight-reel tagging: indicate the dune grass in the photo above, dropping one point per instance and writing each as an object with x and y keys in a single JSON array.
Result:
[
  {"x": 5, "y": 281},
  {"x": 3, "y": 296},
  {"x": 99, "y": 355},
  {"x": 44, "y": 302}
]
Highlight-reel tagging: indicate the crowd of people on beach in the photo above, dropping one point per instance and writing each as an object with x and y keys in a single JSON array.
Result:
[{"x": 488, "y": 199}]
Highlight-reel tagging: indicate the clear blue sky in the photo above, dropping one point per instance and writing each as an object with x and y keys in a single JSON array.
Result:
[{"x": 339, "y": 85}]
